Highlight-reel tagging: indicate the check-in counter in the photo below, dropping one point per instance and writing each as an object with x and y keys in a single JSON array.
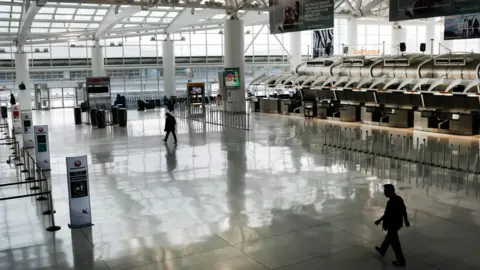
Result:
[
  {"x": 391, "y": 108},
  {"x": 268, "y": 105},
  {"x": 456, "y": 113}
]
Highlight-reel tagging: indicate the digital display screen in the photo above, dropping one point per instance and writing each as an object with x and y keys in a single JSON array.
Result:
[
  {"x": 97, "y": 89},
  {"x": 232, "y": 78},
  {"x": 42, "y": 147},
  {"x": 42, "y": 138},
  {"x": 27, "y": 123},
  {"x": 196, "y": 90}
]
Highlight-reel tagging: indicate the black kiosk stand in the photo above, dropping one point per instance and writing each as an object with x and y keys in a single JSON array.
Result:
[{"x": 196, "y": 99}]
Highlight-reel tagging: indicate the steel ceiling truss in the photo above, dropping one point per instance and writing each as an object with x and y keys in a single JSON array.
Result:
[{"x": 34, "y": 22}]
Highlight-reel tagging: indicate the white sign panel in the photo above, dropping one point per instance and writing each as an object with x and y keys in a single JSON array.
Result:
[
  {"x": 42, "y": 147},
  {"x": 78, "y": 191},
  {"x": 27, "y": 129},
  {"x": 17, "y": 125}
]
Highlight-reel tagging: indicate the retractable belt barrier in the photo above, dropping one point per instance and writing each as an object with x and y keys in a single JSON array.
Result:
[
  {"x": 36, "y": 183},
  {"x": 238, "y": 120},
  {"x": 431, "y": 157}
]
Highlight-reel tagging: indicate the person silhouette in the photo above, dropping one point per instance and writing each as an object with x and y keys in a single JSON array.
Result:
[{"x": 392, "y": 220}]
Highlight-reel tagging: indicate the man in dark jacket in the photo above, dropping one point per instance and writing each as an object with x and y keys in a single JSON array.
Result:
[
  {"x": 12, "y": 100},
  {"x": 395, "y": 214},
  {"x": 170, "y": 124}
]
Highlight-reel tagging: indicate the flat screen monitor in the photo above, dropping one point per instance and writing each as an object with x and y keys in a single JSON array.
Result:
[
  {"x": 41, "y": 139},
  {"x": 97, "y": 89},
  {"x": 196, "y": 90},
  {"x": 232, "y": 78}
]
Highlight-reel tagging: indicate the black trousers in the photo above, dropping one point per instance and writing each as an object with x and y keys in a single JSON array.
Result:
[
  {"x": 391, "y": 239},
  {"x": 173, "y": 133}
]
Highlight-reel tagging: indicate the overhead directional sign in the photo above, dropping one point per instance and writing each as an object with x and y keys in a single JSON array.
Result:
[
  {"x": 299, "y": 15},
  {"x": 401, "y": 10}
]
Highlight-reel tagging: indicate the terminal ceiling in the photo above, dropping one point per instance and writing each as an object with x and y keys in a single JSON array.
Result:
[{"x": 24, "y": 22}]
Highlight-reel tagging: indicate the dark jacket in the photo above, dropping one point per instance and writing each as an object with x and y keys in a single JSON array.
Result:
[
  {"x": 170, "y": 122},
  {"x": 120, "y": 101},
  {"x": 394, "y": 213},
  {"x": 170, "y": 106},
  {"x": 12, "y": 100}
]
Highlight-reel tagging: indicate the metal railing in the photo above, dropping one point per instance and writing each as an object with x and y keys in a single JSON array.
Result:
[
  {"x": 36, "y": 183},
  {"x": 435, "y": 159},
  {"x": 214, "y": 116}
]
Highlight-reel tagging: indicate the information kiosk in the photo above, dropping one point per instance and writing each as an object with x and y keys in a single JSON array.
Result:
[
  {"x": 78, "y": 191},
  {"x": 17, "y": 125},
  {"x": 98, "y": 94},
  {"x": 42, "y": 148},
  {"x": 196, "y": 99},
  {"x": 27, "y": 129}
]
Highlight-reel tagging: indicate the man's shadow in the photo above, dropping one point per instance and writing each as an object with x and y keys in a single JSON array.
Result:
[{"x": 171, "y": 157}]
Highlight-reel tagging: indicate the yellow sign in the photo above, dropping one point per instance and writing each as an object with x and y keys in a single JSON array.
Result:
[{"x": 366, "y": 51}]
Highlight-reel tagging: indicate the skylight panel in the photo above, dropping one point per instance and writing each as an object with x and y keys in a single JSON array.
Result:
[
  {"x": 3, "y": 29},
  {"x": 14, "y": 23},
  {"x": 98, "y": 18},
  {"x": 59, "y": 25},
  {"x": 40, "y": 24},
  {"x": 4, "y": 15},
  {"x": 2, "y": 24},
  {"x": 49, "y": 10},
  {"x": 39, "y": 30},
  {"x": 16, "y": 9},
  {"x": 101, "y": 12},
  {"x": 13, "y": 30},
  {"x": 167, "y": 20},
  {"x": 63, "y": 17},
  {"x": 157, "y": 14},
  {"x": 43, "y": 17},
  {"x": 78, "y": 25},
  {"x": 142, "y": 13},
  {"x": 65, "y": 11},
  {"x": 93, "y": 26},
  {"x": 82, "y": 17},
  {"x": 172, "y": 14},
  {"x": 136, "y": 19},
  {"x": 153, "y": 19},
  {"x": 15, "y": 15},
  {"x": 84, "y": 11}
]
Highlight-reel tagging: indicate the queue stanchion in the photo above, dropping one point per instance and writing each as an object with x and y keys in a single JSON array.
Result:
[
  {"x": 93, "y": 117},
  {"x": 467, "y": 170},
  {"x": 122, "y": 117},
  {"x": 53, "y": 227},
  {"x": 31, "y": 167},
  {"x": 458, "y": 168},
  {"x": 114, "y": 112},
  {"x": 101, "y": 120}
]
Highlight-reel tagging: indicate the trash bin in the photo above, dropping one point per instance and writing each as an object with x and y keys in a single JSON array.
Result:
[
  {"x": 4, "y": 112},
  {"x": 122, "y": 117},
  {"x": 114, "y": 111},
  {"x": 77, "y": 112},
  {"x": 93, "y": 117},
  {"x": 101, "y": 121}
]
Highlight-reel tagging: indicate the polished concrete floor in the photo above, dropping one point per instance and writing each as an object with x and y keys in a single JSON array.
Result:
[{"x": 270, "y": 198}]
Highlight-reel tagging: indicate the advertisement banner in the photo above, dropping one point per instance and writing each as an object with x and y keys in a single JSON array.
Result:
[
  {"x": 42, "y": 147},
  {"x": 464, "y": 26},
  {"x": 322, "y": 43},
  {"x": 417, "y": 9},
  {"x": 17, "y": 125},
  {"x": 298, "y": 15},
  {"x": 27, "y": 129},
  {"x": 78, "y": 191}
]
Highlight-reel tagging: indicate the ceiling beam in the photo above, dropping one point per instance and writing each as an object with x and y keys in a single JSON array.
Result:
[
  {"x": 26, "y": 23},
  {"x": 253, "y": 18},
  {"x": 111, "y": 19},
  {"x": 186, "y": 18},
  {"x": 368, "y": 7}
]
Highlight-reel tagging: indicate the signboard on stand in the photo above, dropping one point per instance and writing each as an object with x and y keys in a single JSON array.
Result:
[
  {"x": 401, "y": 10},
  {"x": 196, "y": 99},
  {"x": 17, "y": 125},
  {"x": 298, "y": 15},
  {"x": 42, "y": 147},
  {"x": 78, "y": 191},
  {"x": 27, "y": 129}
]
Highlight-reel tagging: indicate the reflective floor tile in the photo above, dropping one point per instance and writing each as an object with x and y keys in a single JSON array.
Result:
[{"x": 277, "y": 251}]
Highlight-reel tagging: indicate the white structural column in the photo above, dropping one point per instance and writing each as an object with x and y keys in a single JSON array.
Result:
[
  {"x": 351, "y": 34},
  {"x": 399, "y": 35},
  {"x": 235, "y": 58},
  {"x": 295, "y": 50},
  {"x": 22, "y": 73},
  {"x": 168, "y": 58},
  {"x": 98, "y": 67}
]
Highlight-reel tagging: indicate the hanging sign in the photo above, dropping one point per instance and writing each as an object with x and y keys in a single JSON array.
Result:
[
  {"x": 400, "y": 10},
  {"x": 42, "y": 147},
  {"x": 27, "y": 129},
  {"x": 78, "y": 191},
  {"x": 17, "y": 125}
]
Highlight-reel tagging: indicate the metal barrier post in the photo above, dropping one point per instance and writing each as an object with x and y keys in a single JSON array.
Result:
[
  {"x": 458, "y": 168},
  {"x": 468, "y": 169},
  {"x": 451, "y": 164},
  {"x": 53, "y": 227}
]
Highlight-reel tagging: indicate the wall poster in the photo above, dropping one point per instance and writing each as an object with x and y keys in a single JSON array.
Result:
[
  {"x": 322, "y": 43},
  {"x": 298, "y": 15}
]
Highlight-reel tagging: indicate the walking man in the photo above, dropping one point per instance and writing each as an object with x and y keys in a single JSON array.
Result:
[
  {"x": 392, "y": 220},
  {"x": 170, "y": 124}
]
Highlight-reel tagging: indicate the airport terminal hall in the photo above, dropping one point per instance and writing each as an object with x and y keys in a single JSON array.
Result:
[{"x": 239, "y": 134}]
